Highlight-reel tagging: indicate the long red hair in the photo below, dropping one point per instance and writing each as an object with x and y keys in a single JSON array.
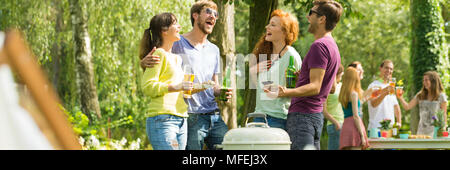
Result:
[
  {"x": 289, "y": 25},
  {"x": 350, "y": 83}
]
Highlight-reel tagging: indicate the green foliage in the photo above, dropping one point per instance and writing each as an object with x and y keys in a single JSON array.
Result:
[
  {"x": 385, "y": 124},
  {"x": 241, "y": 17},
  {"x": 302, "y": 7},
  {"x": 429, "y": 49},
  {"x": 80, "y": 123},
  {"x": 375, "y": 38},
  {"x": 35, "y": 18}
]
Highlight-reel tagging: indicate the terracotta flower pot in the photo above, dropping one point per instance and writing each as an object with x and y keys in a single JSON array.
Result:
[{"x": 386, "y": 133}]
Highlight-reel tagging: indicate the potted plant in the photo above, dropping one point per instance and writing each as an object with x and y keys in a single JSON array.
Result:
[
  {"x": 438, "y": 123},
  {"x": 385, "y": 128}
]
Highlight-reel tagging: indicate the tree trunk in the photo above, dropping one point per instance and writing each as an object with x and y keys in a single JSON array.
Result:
[
  {"x": 223, "y": 37},
  {"x": 259, "y": 18},
  {"x": 83, "y": 58},
  {"x": 57, "y": 48},
  {"x": 428, "y": 51},
  {"x": 260, "y": 12}
]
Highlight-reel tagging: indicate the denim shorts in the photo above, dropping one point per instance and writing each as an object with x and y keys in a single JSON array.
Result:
[
  {"x": 205, "y": 129},
  {"x": 304, "y": 129},
  {"x": 167, "y": 132}
]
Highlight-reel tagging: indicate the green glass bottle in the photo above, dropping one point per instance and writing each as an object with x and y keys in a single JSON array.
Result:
[
  {"x": 395, "y": 131},
  {"x": 226, "y": 84},
  {"x": 290, "y": 74}
]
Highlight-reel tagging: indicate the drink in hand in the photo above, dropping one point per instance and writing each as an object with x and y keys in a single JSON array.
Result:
[
  {"x": 375, "y": 92},
  {"x": 190, "y": 78},
  {"x": 226, "y": 85},
  {"x": 290, "y": 74},
  {"x": 399, "y": 91},
  {"x": 392, "y": 83}
]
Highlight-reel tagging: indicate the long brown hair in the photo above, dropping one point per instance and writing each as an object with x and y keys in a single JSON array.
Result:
[
  {"x": 289, "y": 25},
  {"x": 436, "y": 86},
  {"x": 153, "y": 35},
  {"x": 350, "y": 83}
]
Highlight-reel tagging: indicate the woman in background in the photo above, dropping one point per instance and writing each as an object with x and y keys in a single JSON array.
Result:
[
  {"x": 353, "y": 134},
  {"x": 357, "y": 65},
  {"x": 332, "y": 111},
  {"x": 431, "y": 99}
]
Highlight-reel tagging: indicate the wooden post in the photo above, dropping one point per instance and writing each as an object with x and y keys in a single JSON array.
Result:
[{"x": 19, "y": 57}]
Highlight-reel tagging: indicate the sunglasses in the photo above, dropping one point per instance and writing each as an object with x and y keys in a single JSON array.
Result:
[
  {"x": 213, "y": 12},
  {"x": 314, "y": 11}
]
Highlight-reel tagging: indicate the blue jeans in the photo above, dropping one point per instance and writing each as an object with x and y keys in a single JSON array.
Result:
[
  {"x": 304, "y": 129},
  {"x": 272, "y": 121},
  {"x": 167, "y": 132},
  {"x": 205, "y": 129},
  {"x": 333, "y": 137}
]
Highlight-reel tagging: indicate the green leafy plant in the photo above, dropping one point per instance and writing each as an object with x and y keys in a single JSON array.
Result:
[
  {"x": 438, "y": 120},
  {"x": 428, "y": 47},
  {"x": 385, "y": 124}
]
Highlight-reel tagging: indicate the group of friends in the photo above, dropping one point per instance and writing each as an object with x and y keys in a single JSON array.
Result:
[{"x": 175, "y": 122}]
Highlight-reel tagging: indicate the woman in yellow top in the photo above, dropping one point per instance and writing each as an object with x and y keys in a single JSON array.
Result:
[{"x": 166, "y": 120}]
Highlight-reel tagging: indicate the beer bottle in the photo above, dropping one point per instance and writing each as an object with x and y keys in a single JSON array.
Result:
[
  {"x": 226, "y": 84},
  {"x": 290, "y": 74}
]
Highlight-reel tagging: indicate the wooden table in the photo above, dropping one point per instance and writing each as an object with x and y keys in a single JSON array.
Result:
[{"x": 390, "y": 143}]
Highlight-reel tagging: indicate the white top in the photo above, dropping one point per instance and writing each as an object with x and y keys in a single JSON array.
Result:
[
  {"x": 383, "y": 111},
  {"x": 277, "y": 107},
  {"x": 428, "y": 109}
]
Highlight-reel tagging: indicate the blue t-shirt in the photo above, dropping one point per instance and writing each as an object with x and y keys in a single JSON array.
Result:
[{"x": 205, "y": 63}]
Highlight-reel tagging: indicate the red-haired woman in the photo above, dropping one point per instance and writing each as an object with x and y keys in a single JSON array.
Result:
[
  {"x": 272, "y": 57},
  {"x": 353, "y": 134}
]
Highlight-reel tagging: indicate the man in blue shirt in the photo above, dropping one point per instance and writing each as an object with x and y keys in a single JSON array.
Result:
[{"x": 205, "y": 125}]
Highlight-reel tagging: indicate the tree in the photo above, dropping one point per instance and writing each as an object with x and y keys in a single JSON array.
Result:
[
  {"x": 58, "y": 47},
  {"x": 428, "y": 49},
  {"x": 83, "y": 57},
  {"x": 223, "y": 37}
]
